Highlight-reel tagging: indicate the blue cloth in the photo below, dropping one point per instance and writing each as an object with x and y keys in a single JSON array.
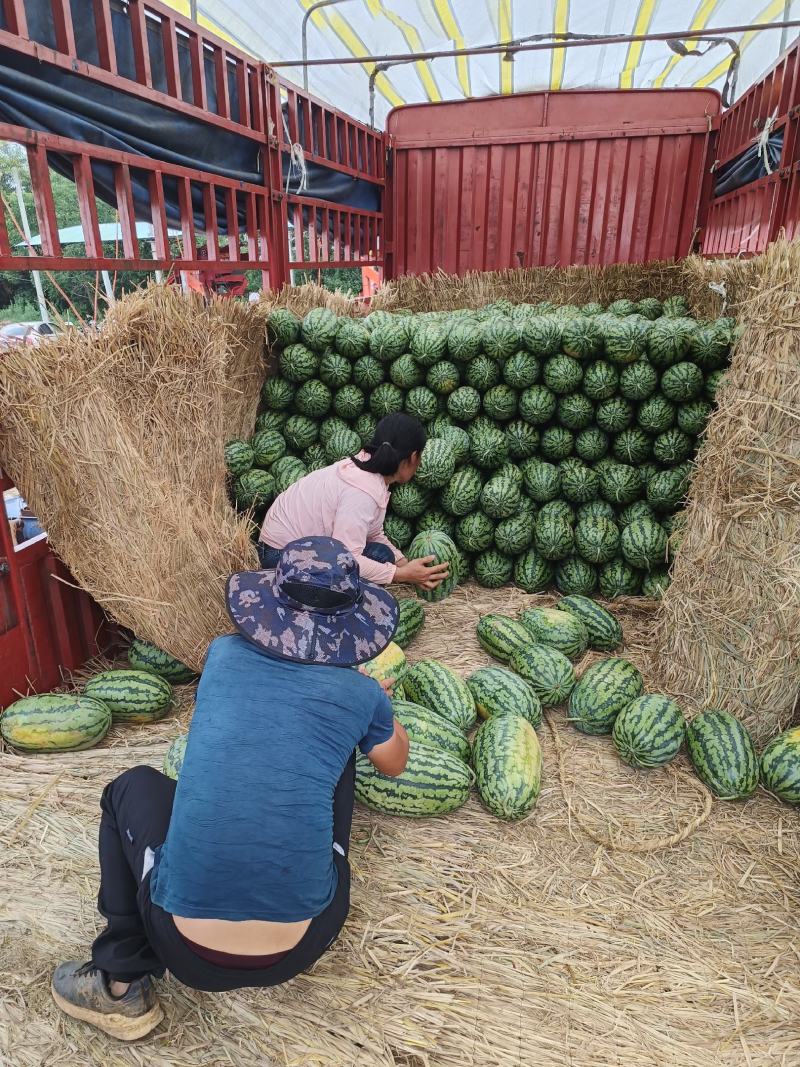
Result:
[
  {"x": 251, "y": 832},
  {"x": 374, "y": 550}
]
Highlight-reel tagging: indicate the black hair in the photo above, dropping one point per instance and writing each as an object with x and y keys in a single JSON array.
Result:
[{"x": 397, "y": 436}]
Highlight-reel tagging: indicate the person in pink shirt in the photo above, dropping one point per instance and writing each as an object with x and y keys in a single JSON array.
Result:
[{"x": 348, "y": 501}]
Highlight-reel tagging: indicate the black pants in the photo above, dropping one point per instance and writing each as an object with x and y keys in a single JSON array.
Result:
[{"x": 140, "y": 938}]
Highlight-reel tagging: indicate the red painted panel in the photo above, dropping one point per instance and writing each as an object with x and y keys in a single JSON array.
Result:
[{"x": 546, "y": 179}]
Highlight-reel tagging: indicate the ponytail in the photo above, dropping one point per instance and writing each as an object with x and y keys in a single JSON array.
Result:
[{"x": 397, "y": 437}]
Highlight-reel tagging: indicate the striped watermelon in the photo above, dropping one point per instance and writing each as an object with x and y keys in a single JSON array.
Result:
[
  {"x": 549, "y": 672},
  {"x": 501, "y": 636},
  {"x": 132, "y": 696},
  {"x": 389, "y": 665},
  {"x": 498, "y": 691},
  {"x": 238, "y": 457},
  {"x": 410, "y": 621},
  {"x": 426, "y": 727},
  {"x": 144, "y": 656},
  {"x": 558, "y": 629},
  {"x": 533, "y": 572},
  {"x": 434, "y": 782},
  {"x": 173, "y": 760},
  {"x": 435, "y": 686},
  {"x": 780, "y": 766},
  {"x": 603, "y": 690},
  {"x": 722, "y": 754},
  {"x": 644, "y": 544},
  {"x": 648, "y": 732},
  {"x": 441, "y": 547},
  {"x": 604, "y": 632},
  {"x": 508, "y": 766},
  {"x": 55, "y": 722}
]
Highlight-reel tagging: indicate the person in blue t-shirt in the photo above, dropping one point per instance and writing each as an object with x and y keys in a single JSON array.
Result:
[{"x": 237, "y": 875}]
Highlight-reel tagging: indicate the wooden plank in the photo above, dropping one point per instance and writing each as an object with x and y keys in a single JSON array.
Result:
[
  {"x": 125, "y": 210},
  {"x": 106, "y": 50},
  {"x": 43, "y": 200},
  {"x": 87, "y": 205},
  {"x": 141, "y": 45}
]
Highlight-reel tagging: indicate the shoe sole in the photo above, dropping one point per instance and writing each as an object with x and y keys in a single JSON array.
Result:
[{"x": 123, "y": 1027}]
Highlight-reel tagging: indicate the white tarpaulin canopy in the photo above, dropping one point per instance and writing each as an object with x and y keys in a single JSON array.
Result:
[{"x": 346, "y": 28}]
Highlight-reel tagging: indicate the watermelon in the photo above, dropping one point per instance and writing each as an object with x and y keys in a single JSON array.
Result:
[
  {"x": 575, "y": 575},
  {"x": 674, "y": 306},
  {"x": 648, "y": 732},
  {"x": 498, "y": 691},
  {"x": 488, "y": 448},
  {"x": 592, "y": 308},
  {"x": 638, "y": 381},
  {"x": 297, "y": 363},
  {"x": 603, "y": 630},
  {"x": 542, "y": 480},
  {"x": 55, "y": 722},
  {"x": 508, "y": 766},
  {"x": 591, "y": 445},
  {"x": 174, "y": 757},
  {"x": 557, "y": 629},
  {"x": 318, "y": 329},
  {"x": 399, "y": 531},
  {"x": 672, "y": 447},
  {"x": 458, "y": 439},
  {"x": 434, "y": 782},
  {"x": 428, "y": 344},
  {"x": 422, "y": 403},
  {"x": 501, "y": 636},
  {"x": 464, "y": 403},
  {"x": 615, "y": 414},
  {"x": 352, "y": 339},
  {"x": 368, "y": 372},
  {"x": 558, "y": 509},
  {"x": 548, "y": 671},
  {"x": 521, "y": 370},
  {"x": 666, "y": 490},
  {"x": 268, "y": 445},
  {"x": 574, "y": 411},
  {"x": 556, "y": 443},
  {"x": 492, "y": 569},
  {"x": 287, "y": 470},
  {"x": 277, "y": 394},
  {"x": 722, "y": 754},
  {"x": 330, "y": 426},
  {"x": 579, "y": 483},
  {"x": 562, "y": 375},
  {"x": 553, "y": 537},
  {"x": 131, "y": 695},
  {"x": 435, "y": 686},
  {"x": 462, "y": 493},
  {"x": 464, "y": 341},
  {"x": 410, "y": 620},
  {"x": 632, "y": 446},
  {"x": 655, "y": 583},
  {"x": 426, "y": 727},
  {"x": 390, "y": 665},
  {"x": 342, "y": 445},
  {"x": 365, "y": 426},
  {"x": 713, "y": 383},
  {"x": 522, "y": 440},
  {"x": 385, "y": 399},
  {"x": 349, "y": 402},
  {"x": 500, "y": 497},
  {"x": 500, "y": 337},
  {"x": 443, "y": 378},
  {"x": 683, "y": 381},
  {"x": 596, "y": 539},
  {"x": 709, "y": 347},
  {"x": 649, "y": 307},
  {"x": 437, "y": 464},
  {"x": 595, "y": 509},
  {"x": 409, "y": 500},
  {"x": 667, "y": 342},
  {"x": 313, "y": 399},
  {"x": 624, "y": 341},
  {"x": 387, "y": 342},
  {"x": 537, "y": 405},
  {"x": 533, "y": 572},
  {"x": 644, "y": 544},
  {"x": 620, "y": 483},
  {"x": 581, "y": 337},
  {"x": 500, "y": 403},
  {"x": 238, "y": 457},
  {"x": 541, "y": 335},
  {"x": 601, "y": 693},
  {"x": 436, "y": 520},
  {"x": 283, "y": 327},
  {"x": 621, "y": 307},
  {"x": 514, "y": 535},
  {"x": 144, "y": 656},
  {"x": 617, "y": 578},
  {"x": 780, "y": 766},
  {"x": 272, "y": 420},
  {"x": 405, "y": 372},
  {"x": 482, "y": 373},
  {"x": 254, "y": 489},
  {"x": 600, "y": 380},
  {"x": 441, "y": 547},
  {"x": 300, "y": 432},
  {"x": 692, "y": 417}
]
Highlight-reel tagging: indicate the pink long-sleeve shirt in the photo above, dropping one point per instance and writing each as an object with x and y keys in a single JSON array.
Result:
[{"x": 340, "y": 501}]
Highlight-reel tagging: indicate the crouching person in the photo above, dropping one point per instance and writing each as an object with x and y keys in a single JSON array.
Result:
[{"x": 238, "y": 875}]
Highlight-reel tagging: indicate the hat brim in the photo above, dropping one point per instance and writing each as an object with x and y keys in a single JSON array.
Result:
[{"x": 344, "y": 639}]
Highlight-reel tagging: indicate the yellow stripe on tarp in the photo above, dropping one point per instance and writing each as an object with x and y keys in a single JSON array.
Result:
[
  {"x": 699, "y": 22},
  {"x": 329, "y": 19},
  {"x": 505, "y": 25},
  {"x": 767, "y": 15},
  {"x": 447, "y": 18},
  {"x": 558, "y": 57},
  {"x": 644, "y": 19},
  {"x": 183, "y": 8},
  {"x": 414, "y": 42}
]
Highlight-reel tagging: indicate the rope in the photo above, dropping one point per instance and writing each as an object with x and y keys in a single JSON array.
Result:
[
  {"x": 649, "y": 844},
  {"x": 762, "y": 141}
]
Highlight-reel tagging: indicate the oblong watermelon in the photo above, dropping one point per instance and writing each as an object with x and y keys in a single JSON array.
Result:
[
  {"x": 434, "y": 782},
  {"x": 508, "y": 766},
  {"x": 389, "y": 665},
  {"x": 602, "y": 692},
  {"x": 722, "y": 754},
  {"x": 649, "y": 731},
  {"x": 132, "y": 696},
  {"x": 501, "y": 636},
  {"x": 498, "y": 691},
  {"x": 605, "y": 632},
  {"x": 549, "y": 672},
  {"x": 55, "y": 722},
  {"x": 410, "y": 620},
  {"x": 435, "y": 686},
  {"x": 444, "y": 550},
  {"x": 427, "y": 727},
  {"x": 780, "y": 766},
  {"x": 558, "y": 629},
  {"x": 145, "y": 656}
]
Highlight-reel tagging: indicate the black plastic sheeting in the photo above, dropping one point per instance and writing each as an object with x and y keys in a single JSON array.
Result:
[
  {"x": 749, "y": 166},
  {"x": 41, "y": 96}
]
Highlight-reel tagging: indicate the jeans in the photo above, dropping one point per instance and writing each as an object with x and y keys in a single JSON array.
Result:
[
  {"x": 373, "y": 550},
  {"x": 140, "y": 938}
]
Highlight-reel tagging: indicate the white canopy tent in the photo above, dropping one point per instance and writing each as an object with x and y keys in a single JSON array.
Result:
[{"x": 347, "y": 28}]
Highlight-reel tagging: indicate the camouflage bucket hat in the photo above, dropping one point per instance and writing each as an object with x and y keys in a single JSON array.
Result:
[{"x": 314, "y": 607}]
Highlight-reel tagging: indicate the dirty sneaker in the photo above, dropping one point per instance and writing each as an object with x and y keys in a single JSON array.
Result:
[{"x": 81, "y": 990}]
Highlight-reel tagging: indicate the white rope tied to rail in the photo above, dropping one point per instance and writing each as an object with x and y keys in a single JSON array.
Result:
[
  {"x": 762, "y": 141},
  {"x": 297, "y": 159}
]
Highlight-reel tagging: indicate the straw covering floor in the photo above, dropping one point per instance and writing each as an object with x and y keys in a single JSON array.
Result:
[{"x": 470, "y": 942}]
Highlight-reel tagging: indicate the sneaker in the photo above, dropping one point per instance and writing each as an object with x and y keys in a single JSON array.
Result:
[{"x": 81, "y": 990}]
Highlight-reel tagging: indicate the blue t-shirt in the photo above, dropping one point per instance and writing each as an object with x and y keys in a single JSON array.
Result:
[{"x": 251, "y": 832}]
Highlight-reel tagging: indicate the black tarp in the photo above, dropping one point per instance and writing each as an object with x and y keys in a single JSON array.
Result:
[
  {"x": 749, "y": 165},
  {"x": 44, "y": 97}
]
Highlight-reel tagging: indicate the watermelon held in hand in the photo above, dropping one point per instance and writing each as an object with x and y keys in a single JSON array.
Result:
[
  {"x": 444, "y": 550},
  {"x": 722, "y": 754},
  {"x": 55, "y": 722},
  {"x": 649, "y": 731},
  {"x": 434, "y": 782},
  {"x": 508, "y": 766},
  {"x": 435, "y": 686},
  {"x": 390, "y": 665},
  {"x": 426, "y": 727},
  {"x": 131, "y": 695}
]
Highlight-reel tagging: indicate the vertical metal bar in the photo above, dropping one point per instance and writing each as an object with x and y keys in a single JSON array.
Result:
[
  {"x": 171, "y": 68},
  {"x": 141, "y": 46},
  {"x": 106, "y": 49},
  {"x": 274, "y": 220},
  {"x": 196, "y": 50},
  {"x": 43, "y": 200},
  {"x": 62, "y": 24},
  {"x": 221, "y": 77},
  {"x": 87, "y": 205},
  {"x": 126, "y": 211}
]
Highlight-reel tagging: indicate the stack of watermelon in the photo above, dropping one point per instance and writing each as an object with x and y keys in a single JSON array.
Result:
[{"x": 560, "y": 438}]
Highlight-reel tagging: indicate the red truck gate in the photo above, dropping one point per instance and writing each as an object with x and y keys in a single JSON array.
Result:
[{"x": 544, "y": 178}]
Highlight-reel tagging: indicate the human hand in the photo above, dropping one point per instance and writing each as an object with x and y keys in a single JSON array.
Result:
[
  {"x": 425, "y": 572},
  {"x": 386, "y": 684}
]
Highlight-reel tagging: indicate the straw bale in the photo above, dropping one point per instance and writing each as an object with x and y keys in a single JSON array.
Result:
[
  {"x": 729, "y": 629},
  {"x": 470, "y": 942},
  {"x": 116, "y": 439}
]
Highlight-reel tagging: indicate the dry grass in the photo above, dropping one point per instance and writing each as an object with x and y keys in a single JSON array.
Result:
[
  {"x": 117, "y": 438},
  {"x": 729, "y": 628},
  {"x": 470, "y": 943}
]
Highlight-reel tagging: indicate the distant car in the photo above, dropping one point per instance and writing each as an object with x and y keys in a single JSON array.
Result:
[{"x": 24, "y": 333}]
